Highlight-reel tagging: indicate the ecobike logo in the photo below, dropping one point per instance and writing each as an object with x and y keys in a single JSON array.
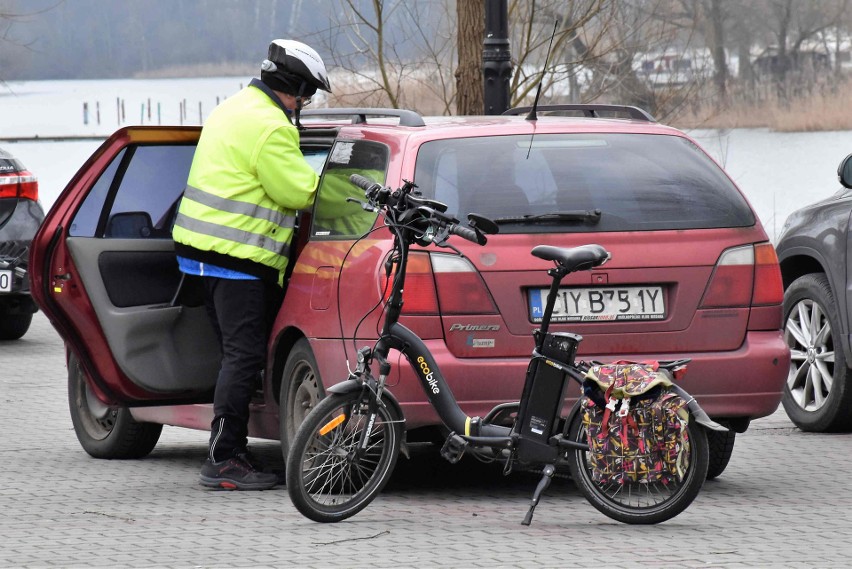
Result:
[{"x": 427, "y": 373}]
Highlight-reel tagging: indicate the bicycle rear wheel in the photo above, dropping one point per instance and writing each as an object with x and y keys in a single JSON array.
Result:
[
  {"x": 336, "y": 467},
  {"x": 640, "y": 502}
]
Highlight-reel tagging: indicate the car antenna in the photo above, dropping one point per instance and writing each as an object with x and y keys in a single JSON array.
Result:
[{"x": 532, "y": 116}]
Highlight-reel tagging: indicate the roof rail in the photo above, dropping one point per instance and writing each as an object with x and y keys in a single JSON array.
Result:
[
  {"x": 359, "y": 115},
  {"x": 590, "y": 110}
]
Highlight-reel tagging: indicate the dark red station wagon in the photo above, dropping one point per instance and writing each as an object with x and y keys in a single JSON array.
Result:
[{"x": 692, "y": 274}]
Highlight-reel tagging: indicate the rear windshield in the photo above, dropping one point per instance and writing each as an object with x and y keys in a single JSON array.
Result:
[{"x": 581, "y": 183}]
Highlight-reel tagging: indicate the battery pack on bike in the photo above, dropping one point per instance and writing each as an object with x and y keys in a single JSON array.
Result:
[{"x": 544, "y": 395}]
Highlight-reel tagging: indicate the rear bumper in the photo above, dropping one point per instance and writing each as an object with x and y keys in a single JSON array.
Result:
[
  {"x": 16, "y": 303},
  {"x": 746, "y": 383},
  {"x": 15, "y": 277}
]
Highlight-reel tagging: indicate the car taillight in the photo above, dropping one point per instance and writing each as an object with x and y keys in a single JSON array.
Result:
[
  {"x": 420, "y": 296},
  {"x": 461, "y": 289},
  {"x": 20, "y": 185},
  {"x": 768, "y": 286},
  {"x": 448, "y": 281},
  {"x": 745, "y": 276}
]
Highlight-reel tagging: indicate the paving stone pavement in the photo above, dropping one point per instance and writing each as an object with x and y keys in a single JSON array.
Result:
[{"x": 784, "y": 501}]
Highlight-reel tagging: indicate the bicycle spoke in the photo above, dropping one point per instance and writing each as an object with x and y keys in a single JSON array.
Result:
[{"x": 635, "y": 495}]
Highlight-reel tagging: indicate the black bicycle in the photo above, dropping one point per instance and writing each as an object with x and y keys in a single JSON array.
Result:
[{"x": 345, "y": 450}]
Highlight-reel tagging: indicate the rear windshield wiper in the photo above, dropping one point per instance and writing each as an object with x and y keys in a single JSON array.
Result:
[{"x": 582, "y": 215}]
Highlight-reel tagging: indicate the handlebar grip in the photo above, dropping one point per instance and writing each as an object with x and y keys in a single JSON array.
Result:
[
  {"x": 366, "y": 184},
  {"x": 468, "y": 234}
]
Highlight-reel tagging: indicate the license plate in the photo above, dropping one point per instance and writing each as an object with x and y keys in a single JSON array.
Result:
[
  {"x": 5, "y": 281},
  {"x": 601, "y": 304}
]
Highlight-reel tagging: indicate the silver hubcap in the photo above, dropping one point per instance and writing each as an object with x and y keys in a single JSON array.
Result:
[
  {"x": 306, "y": 395},
  {"x": 808, "y": 334},
  {"x": 98, "y": 419}
]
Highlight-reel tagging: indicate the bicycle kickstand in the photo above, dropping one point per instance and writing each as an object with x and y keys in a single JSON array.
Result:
[{"x": 546, "y": 477}]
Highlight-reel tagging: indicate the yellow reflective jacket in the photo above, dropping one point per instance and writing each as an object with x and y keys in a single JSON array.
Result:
[{"x": 247, "y": 180}]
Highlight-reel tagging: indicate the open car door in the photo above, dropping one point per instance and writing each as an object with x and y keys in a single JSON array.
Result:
[{"x": 106, "y": 275}]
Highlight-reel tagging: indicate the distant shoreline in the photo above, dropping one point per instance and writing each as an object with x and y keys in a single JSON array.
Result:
[{"x": 825, "y": 109}]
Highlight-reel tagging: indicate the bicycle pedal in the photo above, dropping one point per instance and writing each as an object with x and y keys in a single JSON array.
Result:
[{"x": 453, "y": 448}]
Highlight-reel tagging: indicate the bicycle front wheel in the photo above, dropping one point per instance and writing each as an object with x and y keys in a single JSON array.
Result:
[
  {"x": 640, "y": 502},
  {"x": 336, "y": 466}
]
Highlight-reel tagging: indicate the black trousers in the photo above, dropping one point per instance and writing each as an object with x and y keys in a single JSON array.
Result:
[{"x": 242, "y": 312}]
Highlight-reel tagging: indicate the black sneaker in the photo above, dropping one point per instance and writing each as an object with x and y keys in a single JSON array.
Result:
[
  {"x": 249, "y": 458},
  {"x": 235, "y": 474},
  {"x": 258, "y": 464}
]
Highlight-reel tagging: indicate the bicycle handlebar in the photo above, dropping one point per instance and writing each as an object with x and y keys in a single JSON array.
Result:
[
  {"x": 403, "y": 202},
  {"x": 366, "y": 184},
  {"x": 468, "y": 234}
]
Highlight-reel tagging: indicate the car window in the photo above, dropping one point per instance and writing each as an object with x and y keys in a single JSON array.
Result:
[
  {"x": 137, "y": 195},
  {"x": 316, "y": 158},
  {"x": 637, "y": 181},
  {"x": 146, "y": 200},
  {"x": 333, "y": 216},
  {"x": 85, "y": 222}
]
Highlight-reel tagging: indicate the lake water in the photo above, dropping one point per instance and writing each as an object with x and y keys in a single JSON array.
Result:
[{"x": 778, "y": 172}]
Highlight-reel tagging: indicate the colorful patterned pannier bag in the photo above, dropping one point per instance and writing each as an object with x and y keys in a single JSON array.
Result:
[{"x": 635, "y": 424}]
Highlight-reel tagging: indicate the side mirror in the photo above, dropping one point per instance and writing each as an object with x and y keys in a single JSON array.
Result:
[
  {"x": 844, "y": 172},
  {"x": 482, "y": 224}
]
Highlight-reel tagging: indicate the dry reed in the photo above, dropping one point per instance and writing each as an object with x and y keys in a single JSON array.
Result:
[{"x": 827, "y": 110}]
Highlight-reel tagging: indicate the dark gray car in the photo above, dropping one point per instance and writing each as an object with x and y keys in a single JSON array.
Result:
[
  {"x": 816, "y": 265},
  {"x": 20, "y": 216}
]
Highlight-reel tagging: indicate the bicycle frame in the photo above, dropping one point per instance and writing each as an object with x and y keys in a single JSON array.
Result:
[{"x": 535, "y": 436}]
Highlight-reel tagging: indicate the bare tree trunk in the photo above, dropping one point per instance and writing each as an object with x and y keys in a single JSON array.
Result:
[
  {"x": 784, "y": 12},
  {"x": 471, "y": 32},
  {"x": 720, "y": 64}
]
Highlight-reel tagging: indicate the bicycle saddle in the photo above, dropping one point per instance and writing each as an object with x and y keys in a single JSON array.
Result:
[{"x": 580, "y": 258}]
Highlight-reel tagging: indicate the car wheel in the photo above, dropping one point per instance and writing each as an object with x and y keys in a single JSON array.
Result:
[
  {"x": 301, "y": 390},
  {"x": 721, "y": 445},
  {"x": 13, "y": 326},
  {"x": 104, "y": 431},
  {"x": 817, "y": 396}
]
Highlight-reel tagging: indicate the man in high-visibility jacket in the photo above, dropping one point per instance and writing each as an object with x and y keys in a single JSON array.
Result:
[{"x": 234, "y": 226}]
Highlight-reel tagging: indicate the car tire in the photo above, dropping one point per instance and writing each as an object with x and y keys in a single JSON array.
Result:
[
  {"x": 301, "y": 390},
  {"x": 818, "y": 395},
  {"x": 14, "y": 326},
  {"x": 104, "y": 431},
  {"x": 721, "y": 444}
]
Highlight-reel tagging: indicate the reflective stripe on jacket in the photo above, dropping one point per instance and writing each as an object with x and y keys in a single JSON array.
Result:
[{"x": 247, "y": 180}]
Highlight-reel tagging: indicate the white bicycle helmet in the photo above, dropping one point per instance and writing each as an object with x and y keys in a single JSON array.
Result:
[{"x": 294, "y": 68}]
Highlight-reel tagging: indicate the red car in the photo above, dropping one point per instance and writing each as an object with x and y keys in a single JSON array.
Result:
[{"x": 692, "y": 274}]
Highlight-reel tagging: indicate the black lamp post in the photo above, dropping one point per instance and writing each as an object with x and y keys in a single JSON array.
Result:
[{"x": 496, "y": 59}]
